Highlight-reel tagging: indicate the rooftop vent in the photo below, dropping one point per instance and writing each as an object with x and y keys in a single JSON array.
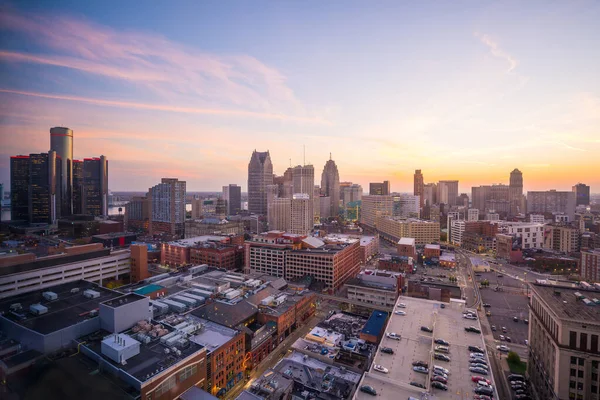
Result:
[{"x": 557, "y": 293}]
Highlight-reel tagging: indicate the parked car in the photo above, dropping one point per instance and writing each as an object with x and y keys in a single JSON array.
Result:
[
  {"x": 380, "y": 368},
  {"x": 526, "y": 321},
  {"x": 503, "y": 348},
  {"x": 486, "y": 305},
  {"x": 368, "y": 389},
  {"x": 442, "y": 342},
  {"x": 516, "y": 377},
  {"x": 417, "y": 384},
  {"x": 469, "y": 316},
  {"x": 478, "y": 365},
  {"x": 442, "y": 349},
  {"x": 508, "y": 339},
  {"x": 484, "y": 390},
  {"x": 439, "y": 385},
  {"x": 420, "y": 364},
  {"x": 393, "y": 335},
  {"x": 443, "y": 305},
  {"x": 477, "y": 355},
  {"x": 387, "y": 350},
  {"x": 516, "y": 319},
  {"x": 481, "y": 397},
  {"x": 441, "y": 369},
  {"x": 478, "y": 361},
  {"x": 493, "y": 327},
  {"x": 475, "y": 349},
  {"x": 440, "y": 373},
  {"x": 441, "y": 357},
  {"x": 488, "y": 314},
  {"x": 421, "y": 370},
  {"x": 472, "y": 329},
  {"x": 476, "y": 370},
  {"x": 399, "y": 312},
  {"x": 427, "y": 329},
  {"x": 504, "y": 330},
  {"x": 437, "y": 378},
  {"x": 502, "y": 337},
  {"x": 401, "y": 305},
  {"x": 476, "y": 379}
]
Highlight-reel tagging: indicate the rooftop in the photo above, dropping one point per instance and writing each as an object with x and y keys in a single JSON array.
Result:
[
  {"x": 405, "y": 241},
  {"x": 365, "y": 240},
  {"x": 226, "y": 314},
  {"x": 376, "y": 323},
  {"x": 144, "y": 290},
  {"x": 212, "y": 335},
  {"x": 271, "y": 384},
  {"x": 113, "y": 235},
  {"x": 432, "y": 246},
  {"x": 70, "y": 308},
  {"x": 564, "y": 303},
  {"x": 122, "y": 300},
  {"x": 348, "y": 324},
  {"x": 190, "y": 242}
]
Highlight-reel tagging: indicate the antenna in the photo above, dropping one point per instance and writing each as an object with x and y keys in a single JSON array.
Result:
[
  {"x": 304, "y": 156},
  {"x": 329, "y": 156}
]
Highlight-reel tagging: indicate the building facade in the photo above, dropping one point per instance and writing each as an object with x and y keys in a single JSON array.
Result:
[
  {"x": 515, "y": 192},
  {"x": 418, "y": 186},
  {"x": 301, "y": 214},
  {"x": 561, "y": 237},
  {"x": 582, "y": 194},
  {"x": 232, "y": 194},
  {"x": 590, "y": 265},
  {"x": 167, "y": 201},
  {"x": 379, "y": 188},
  {"x": 447, "y": 192},
  {"x": 553, "y": 202},
  {"x": 330, "y": 186},
  {"x": 61, "y": 141},
  {"x": 424, "y": 232},
  {"x": 375, "y": 207},
  {"x": 260, "y": 175},
  {"x": 94, "y": 193}
]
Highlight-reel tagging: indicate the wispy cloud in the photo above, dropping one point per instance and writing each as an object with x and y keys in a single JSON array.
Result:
[
  {"x": 161, "y": 107},
  {"x": 497, "y": 51},
  {"x": 169, "y": 70}
]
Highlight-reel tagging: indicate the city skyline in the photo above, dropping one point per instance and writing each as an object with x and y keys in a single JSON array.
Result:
[{"x": 169, "y": 100}]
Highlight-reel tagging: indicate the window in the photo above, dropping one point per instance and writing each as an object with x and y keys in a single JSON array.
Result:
[
  {"x": 572, "y": 384},
  {"x": 594, "y": 389},
  {"x": 165, "y": 387},
  {"x": 580, "y": 374},
  {"x": 572, "y": 339},
  {"x": 573, "y": 360},
  {"x": 595, "y": 344},
  {"x": 187, "y": 372},
  {"x": 579, "y": 385},
  {"x": 583, "y": 341},
  {"x": 581, "y": 361},
  {"x": 573, "y": 372}
]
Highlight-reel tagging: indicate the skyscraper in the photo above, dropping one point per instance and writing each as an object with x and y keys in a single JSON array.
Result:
[
  {"x": 330, "y": 186},
  {"x": 233, "y": 195},
  {"x": 379, "y": 188},
  {"x": 95, "y": 186},
  {"x": 515, "y": 192},
  {"x": 260, "y": 174},
  {"x": 19, "y": 188},
  {"x": 61, "y": 141},
  {"x": 279, "y": 216},
  {"x": 167, "y": 201},
  {"x": 419, "y": 186},
  {"x": 582, "y": 194},
  {"x": 551, "y": 201},
  {"x": 447, "y": 192},
  {"x": 301, "y": 214},
  {"x": 430, "y": 194},
  {"x": 304, "y": 180},
  {"x": 77, "y": 187}
]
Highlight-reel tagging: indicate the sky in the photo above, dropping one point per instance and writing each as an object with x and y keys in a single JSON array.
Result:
[{"x": 188, "y": 89}]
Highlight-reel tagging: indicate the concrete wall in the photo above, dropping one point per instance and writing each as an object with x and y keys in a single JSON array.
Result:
[{"x": 124, "y": 316}]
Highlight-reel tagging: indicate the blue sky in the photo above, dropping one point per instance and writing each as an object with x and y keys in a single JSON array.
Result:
[{"x": 461, "y": 90}]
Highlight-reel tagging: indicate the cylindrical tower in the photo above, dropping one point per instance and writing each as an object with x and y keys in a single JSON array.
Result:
[{"x": 61, "y": 141}]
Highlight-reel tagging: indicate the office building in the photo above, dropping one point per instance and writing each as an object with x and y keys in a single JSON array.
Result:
[
  {"x": 280, "y": 214},
  {"x": 78, "y": 187},
  {"x": 515, "y": 192},
  {"x": 350, "y": 193},
  {"x": 301, "y": 214},
  {"x": 473, "y": 214},
  {"x": 167, "y": 201},
  {"x": 260, "y": 175},
  {"x": 137, "y": 214},
  {"x": 317, "y": 212},
  {"x": 375, "y": 207},
  {"x": 552, "y": 202},
  {"x": 447, "y": 192},
  {"x": 582, "y": 194},
  {"x": 139, "y": 262},
  {"x": 379, "y": 288},
  {"x": 531, "y": 235},
  {"x": 561, "y": 237},
  {"x": 19, "y": 188},
  {"x": 213, "y": 226},
  {"x": 430, "y": 194},
  {"x": 379, "y": 188},
  {"x": 407, "y": 205},
  {"x": 407, "y": 247},
  {"x": 95, "y": 186},
  {"x": 61, "y": 141},
  {"x": 232, "y": 194},
  {"x": 590, "y": 265},
  {"x": 419, "y": 186},
  {"x": 304, "y": 180},
  {"x": 564, "y": 357},
  {"x": 330, "y": 186},
  {"x": 395, "y": 228}
]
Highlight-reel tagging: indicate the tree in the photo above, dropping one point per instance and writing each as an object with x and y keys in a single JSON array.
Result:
[{"x": 513, "y": 358}]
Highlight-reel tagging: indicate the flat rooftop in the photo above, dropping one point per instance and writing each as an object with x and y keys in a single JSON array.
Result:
[
  {"x": 567, "y": 305},
  {"x": 213, "y": 335},
  {"x": 448, "y": 324},
  {"x": 152, "y": 356},
  {"x": 124, "y": 299},
  {"x": 226, "y": 314},
  {"x": 68, "y": 309},
  {"x": 405, "y": 241},
  {"x": 53, "y": 260},
  {"x": 190, "y": 242},
  {"x": 346, "y": 323}
]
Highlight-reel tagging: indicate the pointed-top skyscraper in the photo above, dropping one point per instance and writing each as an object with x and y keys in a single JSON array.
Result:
[
  {"x": 515, "y": 192},
  {"x": 330, "y": 185},
  {"x": 260, "y": 175}
]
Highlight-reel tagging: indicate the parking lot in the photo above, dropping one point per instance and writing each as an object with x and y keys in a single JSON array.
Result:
[{"x": 505, "y": 305}]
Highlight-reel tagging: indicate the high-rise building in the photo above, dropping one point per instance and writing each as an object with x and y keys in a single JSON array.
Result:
[
  {"x": 350, "y": 193},
  {"x": 304, "y": 180},
  {"x": 515, "y": 192},
  {"x": 61, "y": 141},
  {"x": 430, "y": 194},
  {"x": 582, "y": 194},
  {"x": 407, "y": 205},
  {"x": 301, "y": 214},
  {"x": 564, "y": 352},
  {"x": 77, "y": 187},
  {"x": 419, "y": 186},
  {"x": 233, "y": 195},
  {"x": 330, "y": 186},
  {"x": 34, "y": 185},
  {"x": 447, "y": 192},
  {"x": 590, "y": 265},
  {"x": 561, "y": 237},
  {"x": 137, "y": 214},
  {"x": 375, "y": 207},
  {"x": 95, "y": 186},
  {"x": 473, "y": 214},
  {"x": 379, "y": 188},
  {"x": 260, "y": 175},
  {"x": 280, "y": 214},
  {"x": 552, "y": 201},
  {"x": 19, "y": 188},
  {"x": 167, "y": 201},
  {"x": 139, "y": 262}
]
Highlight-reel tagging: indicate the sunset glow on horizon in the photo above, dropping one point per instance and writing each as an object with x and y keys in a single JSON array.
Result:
[{"x": 188, "y": 90}]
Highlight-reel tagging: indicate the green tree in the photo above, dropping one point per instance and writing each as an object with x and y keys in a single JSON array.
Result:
[{"x": 513, "y": 358}]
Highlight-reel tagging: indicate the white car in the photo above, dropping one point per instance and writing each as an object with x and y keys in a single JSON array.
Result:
[
  {"x": 441, "y": 369},
  {"x": 503, "y": 348},
  {"x": 393, "y": 335},
  {"x": 380, "y": 368},
  {"x": 398, "y": 312},
  {"x": 502, "y": 337},
  {"x": 401, "y": 305},
  {"x": 469, "y": 316}
]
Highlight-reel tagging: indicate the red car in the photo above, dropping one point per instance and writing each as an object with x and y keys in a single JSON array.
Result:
[
  {"x": 481, "y": 397},
  {"x": 476, "y": 379},
  {"x": 440, "y": 379}
]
